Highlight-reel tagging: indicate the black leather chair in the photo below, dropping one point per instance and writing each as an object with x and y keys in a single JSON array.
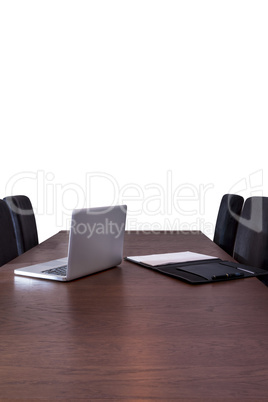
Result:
[
  {"x": 251, "y": 244},
  {"x": 8, "y": 245},
  {"x": 227, "y": 221},
  {"x": 24, "y": 222}
]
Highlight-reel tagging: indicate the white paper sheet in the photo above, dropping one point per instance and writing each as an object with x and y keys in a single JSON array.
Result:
[{"x": 169, "y": 258}]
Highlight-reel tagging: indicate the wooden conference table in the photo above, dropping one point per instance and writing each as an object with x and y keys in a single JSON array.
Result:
[{"x": 130, "y": 334}]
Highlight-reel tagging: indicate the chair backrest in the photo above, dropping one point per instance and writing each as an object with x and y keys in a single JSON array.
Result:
[
  {"x": 24, "y": 221},
  {"x": 227, "y": 221},
  {"x": 8, "y": 246},
  {"x": 251, "y": 244}
]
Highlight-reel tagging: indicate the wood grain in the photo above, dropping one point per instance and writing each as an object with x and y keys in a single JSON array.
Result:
[{"x": 132, "y": 334}]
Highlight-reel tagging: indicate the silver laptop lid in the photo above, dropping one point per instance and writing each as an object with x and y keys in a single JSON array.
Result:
[{"x": 96, "y": 240}]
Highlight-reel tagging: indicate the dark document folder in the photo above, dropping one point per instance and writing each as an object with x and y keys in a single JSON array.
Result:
[{"x": 205, "y": 271}]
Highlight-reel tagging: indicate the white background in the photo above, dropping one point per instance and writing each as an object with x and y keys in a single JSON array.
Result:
[{"x": 158, "y": 104}]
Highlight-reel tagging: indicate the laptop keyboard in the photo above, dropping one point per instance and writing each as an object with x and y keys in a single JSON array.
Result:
[{"x": 60, "y": 271}]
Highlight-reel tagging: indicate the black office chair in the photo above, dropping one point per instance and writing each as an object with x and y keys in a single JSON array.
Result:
[
  {"x": 8, "y": 245},
  {"x": 24, "y": 222},
  {"x": 227, "y": 221},
  {"x": 251, "y": 244}
]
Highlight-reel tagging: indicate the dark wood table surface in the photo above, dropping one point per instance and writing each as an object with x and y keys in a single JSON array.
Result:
[{"x": 131, "y": 334}]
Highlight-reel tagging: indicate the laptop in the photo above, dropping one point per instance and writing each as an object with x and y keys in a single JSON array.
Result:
[{"x": 95, "y": 243}]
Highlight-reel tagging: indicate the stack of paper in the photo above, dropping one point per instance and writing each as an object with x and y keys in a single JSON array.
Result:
[{"x": 169, "y": 258}]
